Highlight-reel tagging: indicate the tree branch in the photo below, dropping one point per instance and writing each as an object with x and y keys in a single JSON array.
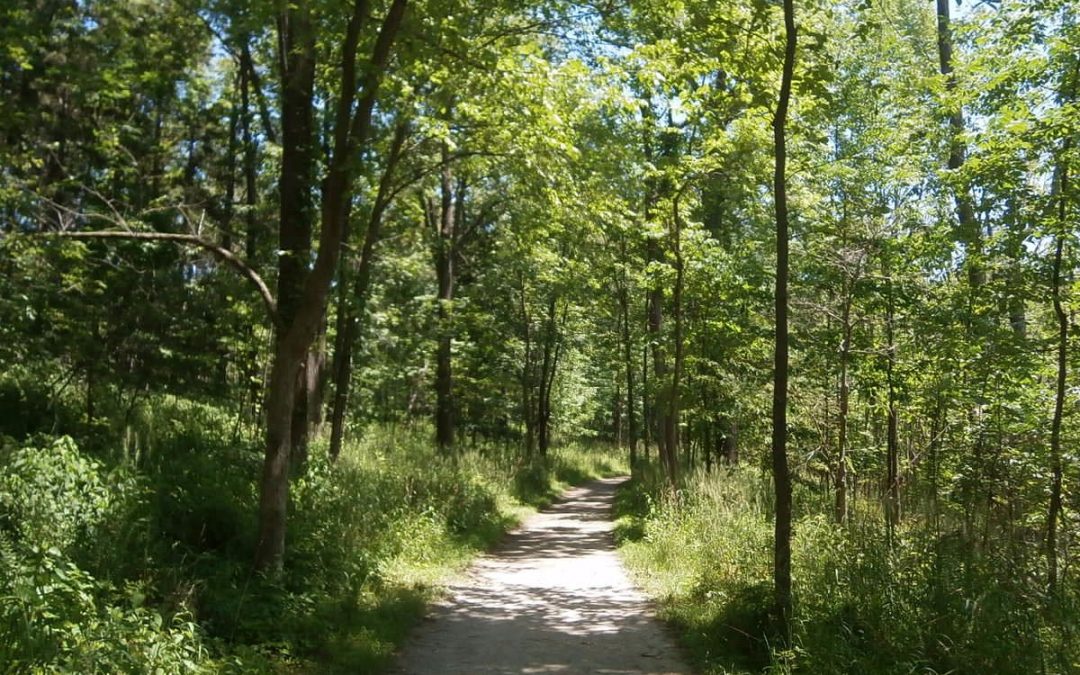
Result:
[{"x": 222, "y": 253}]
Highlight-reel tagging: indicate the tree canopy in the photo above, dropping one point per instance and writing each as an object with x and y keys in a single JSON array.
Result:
[{"x": 834, "y": 243}]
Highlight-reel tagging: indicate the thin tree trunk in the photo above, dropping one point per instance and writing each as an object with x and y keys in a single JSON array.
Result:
[
  {"x": 617, "y": 424},
  {"x": 659, "y": 360},
  {"x": 227, "y": 207},
  {"x": 628, "y": 357},
  {"x": 781, "y": 476},
  {"x": 892, "y": 500},
  {"x": 251, "y": 228},
  {"x": 628, "y": 350},
  {"x": 251, "y": 231},
  {"x": 351, "y": 309},
  {"x": 707, "y": 444},
  {"x": 444, "y": 270},
  {"x": 646, "y": 419},
  {"x": 844, "y": 404},
  {"x": 1056, "y": 469},
  {"x": 671, "y": 421},
  {"x": 969, "y": 232},
  {"x": 731, "y": 444},
  {"x": 547, "y": 376},
  {"x": 527, "y": 378}
]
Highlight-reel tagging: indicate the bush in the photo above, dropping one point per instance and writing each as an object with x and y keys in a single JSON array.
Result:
[
  {"x": 59, "y": 507},
  {"x": 927, "y": 602},
  {"x": 137, "y": 557}
]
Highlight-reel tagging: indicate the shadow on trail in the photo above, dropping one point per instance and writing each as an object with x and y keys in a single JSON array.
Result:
[{"x": 552, "y": 598}]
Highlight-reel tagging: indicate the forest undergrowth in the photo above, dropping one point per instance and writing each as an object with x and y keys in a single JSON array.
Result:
[
  {"x": 928, "y": 599},
  {"x": 128, "y": 550}
]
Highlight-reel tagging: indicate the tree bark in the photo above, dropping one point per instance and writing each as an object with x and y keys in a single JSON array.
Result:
[
  {"x": 350, "y": 134},
  {"x": 295, "y": 190},
  {"x": 353, "y": 298},
  {"x": 1056, "y": 468},
  {"x": 781, "y": 475}
]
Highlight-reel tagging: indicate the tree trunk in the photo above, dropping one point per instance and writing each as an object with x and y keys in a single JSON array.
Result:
[
  {"x": 444, "y": 271},
  {"x": 547, "y": 377},
  {"x": 707, "y": 445},
  {"x": 969, "y": 232},
  {"x": 617, "y": 416},
  {"x": 781, "y": 476},
  {"x": 892, "y": 499},
  {"x": 227, "y": 207},
  {"x": 251, "y": 232},
  {"x": 628, "y": 358},
  {"x": 1060, "y": 390},
  {"x": 353, "y": 298},
  {"x": 731, "y": 444},
  {"x": 295, "y": 188},
  {"x": 659, "y": 360},
  {"x": 671, "y": 421},
  {"x": 646, "y": 418},
  {"x": 351, "y": 131},
  {"x": 844, "y": 404},
  {"x": 528, "y": 408},
  {"x": 251, "y": 228}
]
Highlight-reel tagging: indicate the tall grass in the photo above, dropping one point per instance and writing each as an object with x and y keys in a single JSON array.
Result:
[
  {"x": 135, "y": 556},
  {"x": 926, "y": 602}
]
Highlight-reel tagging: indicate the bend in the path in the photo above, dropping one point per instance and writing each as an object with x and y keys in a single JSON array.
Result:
[{"x": 553, "y": 598}]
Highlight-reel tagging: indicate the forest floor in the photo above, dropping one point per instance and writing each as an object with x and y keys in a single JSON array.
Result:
[{"x": 552, "y": 598}]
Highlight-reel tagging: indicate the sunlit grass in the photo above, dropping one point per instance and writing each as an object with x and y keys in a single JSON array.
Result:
[
  {"x": 925, "y": 603},
  {"x": 372, "y": 540}
]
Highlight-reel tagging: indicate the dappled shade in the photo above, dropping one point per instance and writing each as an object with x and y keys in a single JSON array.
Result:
[{"x": 552, "y": 598}]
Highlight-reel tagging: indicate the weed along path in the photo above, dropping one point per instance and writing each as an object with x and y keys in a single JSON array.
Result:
[{"x": 553, "y": 598}]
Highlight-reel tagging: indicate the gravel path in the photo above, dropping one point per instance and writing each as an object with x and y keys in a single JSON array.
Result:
[{"x": 553, "y": 598}]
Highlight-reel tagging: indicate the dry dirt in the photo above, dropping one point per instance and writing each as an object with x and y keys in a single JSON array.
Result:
[{"x": 553, "y": 598}]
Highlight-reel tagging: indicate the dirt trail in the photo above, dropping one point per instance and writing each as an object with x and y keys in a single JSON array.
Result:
[{"x": 553, "y": 598}]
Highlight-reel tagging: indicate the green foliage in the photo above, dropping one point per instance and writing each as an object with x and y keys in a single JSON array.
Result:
[
  {"x": 59, "y": 512},
  {"x": 139, "y": 561},
  {"x": 929, "y": 601},
  {"x": 592, "y": 155}
]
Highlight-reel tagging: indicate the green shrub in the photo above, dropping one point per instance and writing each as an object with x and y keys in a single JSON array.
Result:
[
  {"x": 926, "y": 602},
  {"x": 136, "y": 557},
  {"x": 59, "y": 507}
]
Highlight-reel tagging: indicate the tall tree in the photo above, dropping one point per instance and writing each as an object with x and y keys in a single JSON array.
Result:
[
  {"x": 968, "y": 227},
  {"x": 352, "y": 124},
  {"x": 780, "y": 471}
]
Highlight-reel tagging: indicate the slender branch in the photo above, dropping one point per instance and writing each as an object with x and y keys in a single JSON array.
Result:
[{"x": 224, "y": 254}]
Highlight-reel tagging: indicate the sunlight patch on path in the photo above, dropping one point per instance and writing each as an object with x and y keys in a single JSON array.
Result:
[{"x": 553, "y": 598}]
